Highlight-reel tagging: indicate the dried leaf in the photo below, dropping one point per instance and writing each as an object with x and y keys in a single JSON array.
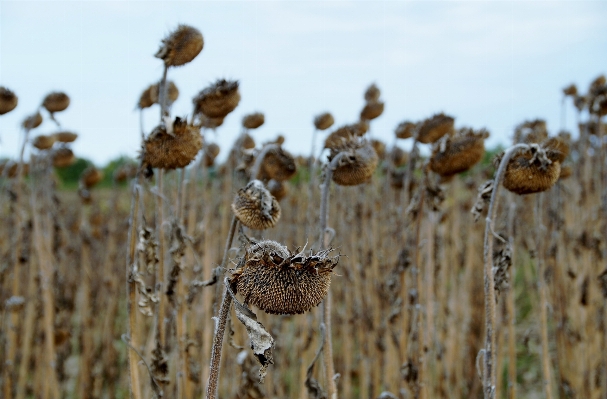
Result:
[{"x": 262, "y": 342}]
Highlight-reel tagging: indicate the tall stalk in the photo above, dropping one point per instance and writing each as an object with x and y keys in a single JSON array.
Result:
[
  {"x": 326, "y": 303},
  {"x": 542, "y": 285},
  {"x": 490, "y": 350},
  {"x": 510, "y": 306}
]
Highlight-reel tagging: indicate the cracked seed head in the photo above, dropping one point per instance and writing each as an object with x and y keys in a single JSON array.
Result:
[
  {"x": 217, "y": 100},
  {"x": 357, "y": 164},
  {"x": 452, "y": 155},
  {"x": 253, "y": 121},
  {"x": 434, "y": 128},
  {"x": 56, "y": 102},
  {"x": 8, "y": 100},
  {"x": 165, "y": 150},
  {"x": 531, "y": 171},
  {"x": 324, "y": 121},
  {"x": 44, "y": 142},
  {"x": 279, "y": 164},
  {"x": 277, "y": 281},
  {"x": 180, "y": 46},
  {"x": 255, "y": 207},
  {"x": 372, "y": 110}
]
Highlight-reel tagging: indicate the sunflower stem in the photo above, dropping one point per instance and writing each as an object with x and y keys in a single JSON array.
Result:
[{"x": 490, "y": 350}]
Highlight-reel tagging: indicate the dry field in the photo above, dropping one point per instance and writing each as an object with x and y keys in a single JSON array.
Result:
[{"x": 368, "y": 273}]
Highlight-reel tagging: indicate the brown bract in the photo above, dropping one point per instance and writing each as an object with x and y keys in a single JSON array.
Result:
[
  {"x": 173, "y": 150},
  {"x": 531, "y": 172},
  {"x": 566, "y": 171},
  {"x": 65, "y": 137},
  {"x": 372, "y": 93},
  {"x": 146, "y": 100},
  {"x": 56, "y": 102},
  {"x": 44, "y": 142},
  {"x": 255, "y": 207},
  {"x": 372, "y": 110},
  {"x": 434, "y": 128},
  {"x": 63, "y": 157},
  {"x": 452, "y": 155},
  {"x": 357, "y": 164},
  {"x": 8, "y": 100},
  {"x": 277, "y": 281},
  {"x": 253, "y": 121},
  {"x": 217, "y": 100},
  {"x": 324, "y": 121},
  {"x": 181, "y": 46},
  {"x": 32, "y": 122},
  {"x": 405, "y": 130},
  {"x": 278, "y": 164}
]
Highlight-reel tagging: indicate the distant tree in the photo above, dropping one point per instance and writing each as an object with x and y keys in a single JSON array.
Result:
[{"x": 70, "y": 175}]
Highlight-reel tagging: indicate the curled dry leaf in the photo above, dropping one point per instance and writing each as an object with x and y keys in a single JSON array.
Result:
[{"x": 262, "y": 342}]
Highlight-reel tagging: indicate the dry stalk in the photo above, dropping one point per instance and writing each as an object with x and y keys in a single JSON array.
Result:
[
  {"x": 489, "y": 375},
  {"x": 542, "y": 285}
]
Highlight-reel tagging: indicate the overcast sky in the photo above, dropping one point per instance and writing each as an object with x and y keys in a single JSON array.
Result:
[{"x": 489, "y": 64}]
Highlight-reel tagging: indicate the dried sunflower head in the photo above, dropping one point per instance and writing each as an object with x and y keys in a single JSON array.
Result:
[
  {"x": 279, "y": 164},
  {"x": 278, "y": 189},
  {"x": 255, "y": 207},
  {"x": 253, "y": 121},
  {"x": 8, "y": 100},
  {"x": 534, "y": 131},
  {"x": 217, "y": 100},
  {"x": 570, "y": 90},
  {"x": 324, "y": 121},
  {"x": 33, "y": 121},
  {"x": 398, "y": 156},
  {"x": 56, "y": 102},
  {"x": 63, "y": 157},
  {"x": 452, "y": 155},
  {"x": 531, "y": 171},
  {"x": 65, "y": 137},
  {"x": 405, "y": 130},
  {"x": 278, "y": 281},
  {"x": 44, "y": 142},
  {"x": 372, "y": 110},
  {"x": 379, "y": 147},
  {"x": 434, "y": 128},
  {"x": 171, "y": 90},
  {"x": 372, "y": 93},
  {"x": 180, "y": 46},
  {"x": 146, "y": 100},
  {"x": 90, "y": 177},
  {"x": 172, "y": 150},
  {"x": 357, "y": 163},
  {"x": 556, "y": 148},
  {"x": 210, "y": 153}
]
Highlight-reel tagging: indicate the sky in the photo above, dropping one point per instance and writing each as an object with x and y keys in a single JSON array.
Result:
[{"x": 490, "y": 64}]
